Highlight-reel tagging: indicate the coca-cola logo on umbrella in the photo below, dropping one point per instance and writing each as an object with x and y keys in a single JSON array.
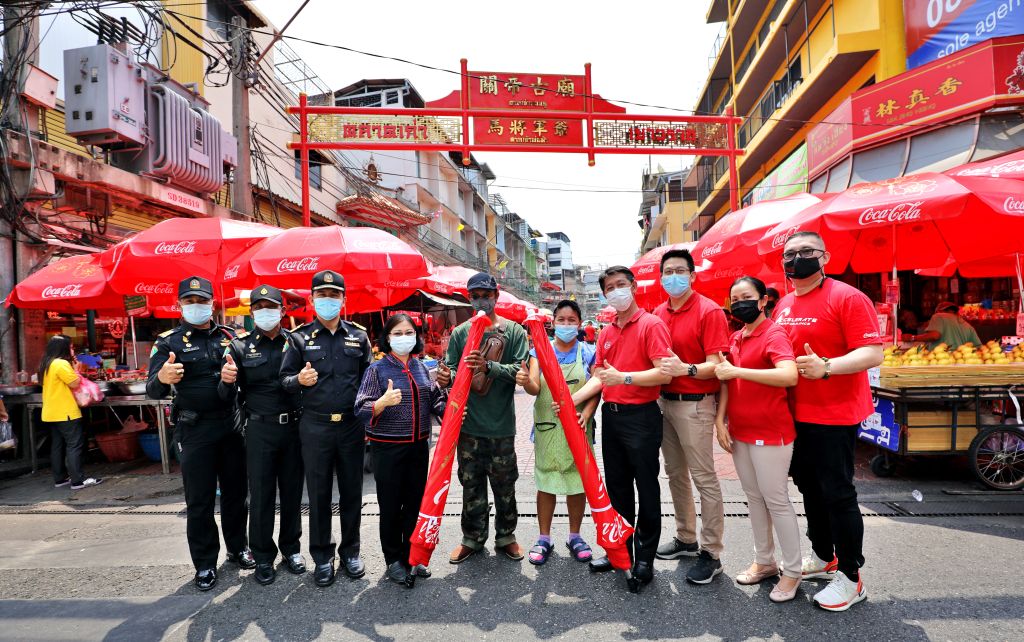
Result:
[
  {"x": 901, "y": 213},
  {"x": 181, "y": 247},
  {"x": 995, "y": 171},
  {"x": 900, "y": 186},
  {"x": 711, "y": 250},
  {"x": 68, "y": 291},
  {"x": 154, "y": 288},
  {"x": 231, "y": 272},
  {"x": 780, "y": 239},
  {"x": 1013, "y": 205},
  {"x": 305, "y": 264},
  {"x": 393, "y": 245}
]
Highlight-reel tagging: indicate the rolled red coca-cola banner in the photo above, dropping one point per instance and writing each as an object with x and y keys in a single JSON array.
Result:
[
  {"x": 425, "y": 537},
  {"x": 612, "y": 529}
]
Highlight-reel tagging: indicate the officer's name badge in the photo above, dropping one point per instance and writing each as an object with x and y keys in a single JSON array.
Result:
[{"x": 190, "y": 348}]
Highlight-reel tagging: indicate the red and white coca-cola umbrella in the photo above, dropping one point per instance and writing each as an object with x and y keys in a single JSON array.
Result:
[
  {"x": 362, "y": 255},
  {"x": 73, "y": 285},
  {"x": 153, "y": 261},
  {"x": 1006, "y": 166},
  {"x": 911, "y": 222}
]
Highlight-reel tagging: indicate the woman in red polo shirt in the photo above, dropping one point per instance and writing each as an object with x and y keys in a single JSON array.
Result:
[{"x": 760, "y": 433}]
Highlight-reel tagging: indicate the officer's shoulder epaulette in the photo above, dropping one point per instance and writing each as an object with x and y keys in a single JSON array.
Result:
[
  {"x": 241, "y": 334},
  {"x": 303, "y": 326},
  {"x": 356, "y": 325},
  {"x": 164, "y": 335}
]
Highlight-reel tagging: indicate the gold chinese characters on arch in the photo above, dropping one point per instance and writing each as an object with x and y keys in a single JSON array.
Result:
[
  {"x": 681, "y": 135},
  {"x": 385, "y": 129}
]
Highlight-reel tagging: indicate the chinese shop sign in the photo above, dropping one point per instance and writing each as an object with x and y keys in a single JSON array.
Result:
[{"x": 550, "y": 92}]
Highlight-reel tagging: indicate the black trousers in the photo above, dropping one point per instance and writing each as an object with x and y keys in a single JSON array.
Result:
[
  {"x": 274, "y": 457},
  {"x": 211, "y": 454},
  {"x": 631, "y": 443},
  {"x": 400, "y": 471},
  {"x": 332, "y": 450},
  {"x": 822, "y": 469},
  {"x": 67, "y": 439}
]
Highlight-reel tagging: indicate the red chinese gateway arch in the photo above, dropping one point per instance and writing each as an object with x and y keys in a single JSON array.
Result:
[{"x": 510, "y": 112}]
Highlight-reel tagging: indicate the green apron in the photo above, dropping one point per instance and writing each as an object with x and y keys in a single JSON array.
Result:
[{"x": 554, "y": 469}]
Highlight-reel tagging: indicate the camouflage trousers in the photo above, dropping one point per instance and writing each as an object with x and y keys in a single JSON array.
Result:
[{"x": 483, "y": 459}]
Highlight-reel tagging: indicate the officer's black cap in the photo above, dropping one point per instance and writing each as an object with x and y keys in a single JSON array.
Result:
[
  {"x": 195, "y": 285},
  {"x": 265, "y": 293},
  {"x": 328, "y": 280},
  {"x": 482, "y": 281}
]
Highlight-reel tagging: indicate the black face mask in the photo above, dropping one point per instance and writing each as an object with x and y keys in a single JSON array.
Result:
[
  {"x": 801, "y": 268},
  {"x": 746, "y": 311}
]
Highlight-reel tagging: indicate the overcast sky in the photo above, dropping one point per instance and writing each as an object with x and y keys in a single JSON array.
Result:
[{"x": 652, "y": 52}]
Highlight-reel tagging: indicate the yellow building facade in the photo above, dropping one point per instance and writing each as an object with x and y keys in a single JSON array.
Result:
[{"x": 784, "y": 65}]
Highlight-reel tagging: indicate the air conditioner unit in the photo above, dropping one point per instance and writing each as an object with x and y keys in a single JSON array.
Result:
[{"x": 150, "y": 124}]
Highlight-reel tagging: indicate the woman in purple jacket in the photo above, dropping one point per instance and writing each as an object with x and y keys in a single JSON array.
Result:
[{"x": 395, "y": 402}]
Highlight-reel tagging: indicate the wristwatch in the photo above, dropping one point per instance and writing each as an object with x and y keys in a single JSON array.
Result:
[
  {"x": 628, "y": 379},
  {"x": 691, "y": 370},
  {"x": 828, "y": 368}
]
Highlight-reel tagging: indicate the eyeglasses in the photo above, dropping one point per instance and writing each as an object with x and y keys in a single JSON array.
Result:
[
  {"x": 407, "y": 333},
  {"x": 805, "y": 253},
  {"x": 679, "y": 271}
]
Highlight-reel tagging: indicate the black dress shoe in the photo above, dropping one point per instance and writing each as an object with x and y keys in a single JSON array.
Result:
[
  {"x": 600, "y": 565},
  {"x": 206, "y": 580},
  {"x": 244, "y": 559},
  {"x": 643, "y": 572},
  {"x": 296, "y": 564},
  {"x": 398, "y": 574},
  {"x": 421, "y": 571},
  {"x": 354, "y": 567},
  {"x": 265, "y": 574},
  {"x": 324, "y": 574}
]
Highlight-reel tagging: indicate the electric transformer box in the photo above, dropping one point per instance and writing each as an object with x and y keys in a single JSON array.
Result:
[{"x": 104, "y": 96}]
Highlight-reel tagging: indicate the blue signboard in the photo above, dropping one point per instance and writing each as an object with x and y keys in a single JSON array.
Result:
[
  {"x": 950, "y": 26},
  {"x": 881, "y": 428}
]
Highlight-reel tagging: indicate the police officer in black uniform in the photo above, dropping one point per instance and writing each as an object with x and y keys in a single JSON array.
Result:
[
  {"x": 326, "y": 360},
  {"x": 186, "y": 362},
  {"x": 251, "y": 373}
]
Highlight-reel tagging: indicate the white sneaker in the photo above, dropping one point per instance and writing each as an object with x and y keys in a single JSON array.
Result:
[
  {"x": 841, "y": 593},
  {"x": 814, "y": 567},
  {"x": 92, "y": 481}
]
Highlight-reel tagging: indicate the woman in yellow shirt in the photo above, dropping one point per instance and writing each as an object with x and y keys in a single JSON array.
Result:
[{"x": 62, "y": 414}]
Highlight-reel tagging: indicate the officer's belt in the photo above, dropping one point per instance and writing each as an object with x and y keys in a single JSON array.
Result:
[
  {"x": 335, "y": 417},
  {"x": 283, "y": 418},
  {"x": 209, "y": 414}
]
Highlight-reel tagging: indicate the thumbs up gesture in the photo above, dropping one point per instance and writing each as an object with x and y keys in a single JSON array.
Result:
[
  {"x": 171, "y": 372},
  {"x": 392, "y": 396},
  {"x": 307, "y": 376},
  {"x": 724, "y": 370},
  {"x": 444, "y": 374},
  {"x": 229, "y": 371},
  {"x": 523, "y": 374},
  {"x": 810, "y": 365}
]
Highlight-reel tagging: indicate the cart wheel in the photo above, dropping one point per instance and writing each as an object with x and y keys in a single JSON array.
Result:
[
  {"x": 997, "y": 455},
  {"x": 882, "y": 466}
]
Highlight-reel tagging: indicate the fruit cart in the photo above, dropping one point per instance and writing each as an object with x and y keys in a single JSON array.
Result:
[{"x": 967, "y": 409}]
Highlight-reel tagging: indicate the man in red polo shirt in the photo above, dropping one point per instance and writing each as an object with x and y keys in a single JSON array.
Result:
[
  {"x": 699, "y": 334},
  {"x": 834, "y": 330},
  {"x": 626, "y": 373}
]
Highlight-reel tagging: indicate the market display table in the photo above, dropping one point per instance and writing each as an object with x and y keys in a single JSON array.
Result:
[
  {"x": 34, "y": 401},
  {"x": 945, "y": 411}
]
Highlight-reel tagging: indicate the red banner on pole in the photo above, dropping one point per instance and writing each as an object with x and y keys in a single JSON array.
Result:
[
  {"x": 426, "y": 535},
  {"x": 612, "y": 529}
]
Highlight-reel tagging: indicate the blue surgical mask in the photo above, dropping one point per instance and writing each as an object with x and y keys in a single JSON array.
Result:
[
  {"x": 402, "y": 345},
  {"x": 266, "y": 319},
  {"x": 567, "y": 333},
  {"x": 676, "y": 284},
  {"x": 327, "y": 308},
  {"x": 197, "y": 313}
]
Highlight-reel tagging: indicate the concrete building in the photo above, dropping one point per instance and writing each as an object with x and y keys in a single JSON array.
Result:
[
  {"x": 560, "y": 265},
  {"x": 666, "y": 209},
  {"x": 783, "y": 65}
]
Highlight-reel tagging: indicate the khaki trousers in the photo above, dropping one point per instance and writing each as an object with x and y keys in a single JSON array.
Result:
[
  {"x": 763, "y": 473},
  {"x": 688, "y": 448}
]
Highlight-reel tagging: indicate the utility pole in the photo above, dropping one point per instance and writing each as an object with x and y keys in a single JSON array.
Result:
[
  {"x": 14, "y": 40},
  {"x": 241, "y": 189}
]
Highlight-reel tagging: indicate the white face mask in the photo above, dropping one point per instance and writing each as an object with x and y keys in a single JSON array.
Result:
[
  {"x": 620, "y": 298},
  {"x": 402, "y": 345}
]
